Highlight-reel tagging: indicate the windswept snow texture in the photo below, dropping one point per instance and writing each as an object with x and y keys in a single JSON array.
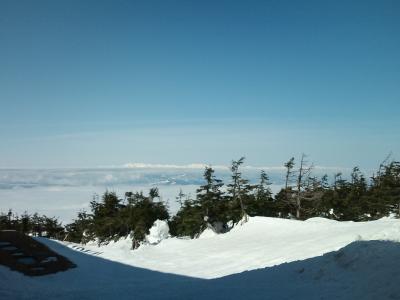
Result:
[{"x": 361, "y": 270}]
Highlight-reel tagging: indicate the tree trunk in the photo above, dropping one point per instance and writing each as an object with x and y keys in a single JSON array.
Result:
[
  {"x": 298, "y": 207},
  {"x": 243, "y": 210},
  {"x": 299, "y": 184}
]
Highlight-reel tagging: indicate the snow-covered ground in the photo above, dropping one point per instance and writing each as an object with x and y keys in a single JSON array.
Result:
[
  {"x": 262, "y": 242},
  {"x": 282, "y": 259}
]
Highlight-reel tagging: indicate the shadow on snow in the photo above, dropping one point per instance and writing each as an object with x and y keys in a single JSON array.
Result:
[{"x": 364, "y": 269}]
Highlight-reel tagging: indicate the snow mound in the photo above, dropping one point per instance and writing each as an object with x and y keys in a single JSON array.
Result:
[
  {"x": 158, "y": 232},
  {"x": 320, "y": 220},
  {"x": 207, "y": 233}
]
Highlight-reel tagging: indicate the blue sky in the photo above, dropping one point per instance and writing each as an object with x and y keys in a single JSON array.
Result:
[{"x": 95, "y": 83}]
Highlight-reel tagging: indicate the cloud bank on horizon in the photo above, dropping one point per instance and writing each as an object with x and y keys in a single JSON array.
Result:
[
  {"x": 64, "y": 192},
  {"x": 136, "y": 174},
  {"x": 196, "y": 166}
]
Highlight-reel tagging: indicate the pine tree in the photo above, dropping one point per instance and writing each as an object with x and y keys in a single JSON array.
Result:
[
  {"x": 263, "y": 204},
  {"x": 289, "y": 165},
  {"x": 180, "y": 198},
  {"x": 154, "y": 193},
  {"x": 81, "y": 229},
  {"x": 210, "y": 198},
  {"x": 263, "y": 190},
  {"x": 189, "y": 220},
  {"x": 238, "y": 189}
]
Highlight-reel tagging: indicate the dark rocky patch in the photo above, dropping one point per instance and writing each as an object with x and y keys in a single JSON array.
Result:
[{"x": 28, "y": 256}]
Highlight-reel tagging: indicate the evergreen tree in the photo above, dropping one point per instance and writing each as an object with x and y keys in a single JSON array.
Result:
[
  {"x": 208, "y": 210},
  {"x": 154, "y": 193},
  {"x": 180, "y": 198},
  {"x": 239, "y": 191},
  {"x": 289, "y": 165},
  {"x": 384, "y": 194},
  {"x": 140, "y": 213},
  {"x": 210, "y": 198},
  {"x": 263, "y": 204},
  {"x": 106, "y": 224},
  {"x": 81, "y": 229},
  {"x": 189, "y": 220}
]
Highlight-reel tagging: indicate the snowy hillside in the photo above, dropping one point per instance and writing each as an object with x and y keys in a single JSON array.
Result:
[
  {"x": 364, "y": 269},
  {"x": 261, "y": 242}
]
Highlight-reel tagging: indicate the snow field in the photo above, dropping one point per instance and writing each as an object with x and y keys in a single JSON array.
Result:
[
  {"x": 259, "y": 243},
  {"x": 367, "y": 268}
]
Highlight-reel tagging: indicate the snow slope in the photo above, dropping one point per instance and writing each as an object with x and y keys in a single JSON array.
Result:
[
  {"x": 261, "y": 242},
  {"x": 361, "y": 270}
]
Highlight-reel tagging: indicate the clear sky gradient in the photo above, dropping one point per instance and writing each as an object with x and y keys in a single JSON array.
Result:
[{"x": 97, "y": 83}]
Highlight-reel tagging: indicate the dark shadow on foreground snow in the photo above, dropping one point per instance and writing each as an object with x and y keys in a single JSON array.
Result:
[{"x": 361, "y": 270}]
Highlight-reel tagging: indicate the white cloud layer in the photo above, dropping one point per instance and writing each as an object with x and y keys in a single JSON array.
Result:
[
  {"x": 136, "y": 174},
  {"x": 63, "y": 192}
]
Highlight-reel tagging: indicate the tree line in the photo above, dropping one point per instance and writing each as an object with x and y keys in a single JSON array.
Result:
[
  {"x": 303, "y": 195},
  {"x": 218, "y": 206},
  {"x": 36, "y": 225}
]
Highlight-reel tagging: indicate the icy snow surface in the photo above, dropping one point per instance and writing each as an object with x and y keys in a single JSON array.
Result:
[{"x": 365, "y": 269}]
